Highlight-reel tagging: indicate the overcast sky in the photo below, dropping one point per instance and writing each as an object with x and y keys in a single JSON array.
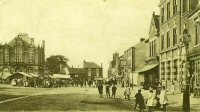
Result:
[{"x": 88, "y": 30}]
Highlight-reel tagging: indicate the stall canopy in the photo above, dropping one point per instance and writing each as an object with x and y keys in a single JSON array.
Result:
[
  {"x": 34, "y": 75},
  {"x": 4, "y": 75},
  {"x": 22, "y": 73},
  {"x": 147, "y": 68},
  {"x": 60, "y": 76}
]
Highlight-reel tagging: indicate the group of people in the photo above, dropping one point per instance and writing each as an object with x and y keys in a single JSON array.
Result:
[
  {"x": 155, "y": 99},
  {"x": 108, "y": 86},
  {"x": 38, "y": 82}
]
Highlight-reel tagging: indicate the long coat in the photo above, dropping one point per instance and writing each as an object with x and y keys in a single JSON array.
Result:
[
  {"x": 140, "y": 100},
  {"x": 150, "y": 99},
  {"x": 163, "y": 97},
  {"x": 100, "y": 88}
]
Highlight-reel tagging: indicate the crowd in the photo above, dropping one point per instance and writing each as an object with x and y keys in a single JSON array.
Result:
[{"x": 45, "y": 82}]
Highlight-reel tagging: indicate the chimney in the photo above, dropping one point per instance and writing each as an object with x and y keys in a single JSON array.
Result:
[
  {"x": 142, "y": 39},
  {"x": 78, "y": 66},
  {"x": 72, "y": 66},
  {"x": 101, "y": 65},
  {"x": 43, "y": 44}
]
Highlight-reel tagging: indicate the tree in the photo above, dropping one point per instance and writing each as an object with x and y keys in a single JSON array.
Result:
[{"x": 55, "y": 62}]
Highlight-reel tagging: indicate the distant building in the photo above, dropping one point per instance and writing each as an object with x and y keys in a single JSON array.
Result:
[
  {"x": 135, "y": 60},
  {"x": 93, "y": 71},
  {"x": 22, "y": 55}
]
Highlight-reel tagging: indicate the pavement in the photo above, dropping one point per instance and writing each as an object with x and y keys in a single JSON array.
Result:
[{"x": 81, "y": 97}]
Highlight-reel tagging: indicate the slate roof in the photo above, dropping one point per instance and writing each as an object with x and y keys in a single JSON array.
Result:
[
  {"x": 77, "y": 70},
  {"x": 25, "y": 38},
  {"x": 156, "y": 20},
  {"x": 90, "y": 65}
]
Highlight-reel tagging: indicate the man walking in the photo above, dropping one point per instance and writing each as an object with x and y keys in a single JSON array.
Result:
[
  {"x": 108, "y": 90},
  {"x": 100, "y": 88},
  {"x": 114, "y": 89}
]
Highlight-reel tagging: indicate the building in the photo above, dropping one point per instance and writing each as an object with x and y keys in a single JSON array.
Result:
[
  {"x": 22, "y": 55},
  {"x": 135, "y": 60},
  {"x": 172, "y": 53},
  {"x": 192, "y": 11},
  {"x": 93, "y": 71},
  {"x": 117, "y": 67},
  {"x": 151, "y": 68}
]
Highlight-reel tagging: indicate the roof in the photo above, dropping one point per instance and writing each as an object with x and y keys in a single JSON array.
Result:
[
  {"x": 77, "y": 71},
  {"x": 90, "y": 65},
  {"x": 24, "y": 37},
  {"x": 156, "y": 21}
]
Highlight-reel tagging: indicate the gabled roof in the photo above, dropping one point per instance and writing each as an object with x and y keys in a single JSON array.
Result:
[
  {"x": 90, "y": 65},
  {"x": 156, "y": 21},
  {"x": 24, "y": 37}
]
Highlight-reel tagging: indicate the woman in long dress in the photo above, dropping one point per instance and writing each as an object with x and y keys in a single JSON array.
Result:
[
  {"x": 163, "y": 98},
  {"x": 150, "y": 100}
]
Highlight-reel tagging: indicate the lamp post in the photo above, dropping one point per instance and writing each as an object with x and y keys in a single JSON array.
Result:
[{"x": 186, "y": 93}]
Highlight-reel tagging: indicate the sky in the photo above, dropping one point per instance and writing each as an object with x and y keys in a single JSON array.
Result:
[{"x": 90, "y": 30}]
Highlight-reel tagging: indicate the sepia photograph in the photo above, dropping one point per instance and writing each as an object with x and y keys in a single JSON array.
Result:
[{"x": 99, "y": 55}]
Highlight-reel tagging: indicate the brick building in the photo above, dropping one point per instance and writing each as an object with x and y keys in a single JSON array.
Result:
[
  {"x": 22, "y": 55},
  {"x": 151, "y": 68}
]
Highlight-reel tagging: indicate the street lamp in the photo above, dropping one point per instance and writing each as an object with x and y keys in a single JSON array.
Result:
[{"x": 185, "y": 39}]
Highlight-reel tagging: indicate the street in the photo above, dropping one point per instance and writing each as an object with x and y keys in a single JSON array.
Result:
[{"x": 74, "y": 99}]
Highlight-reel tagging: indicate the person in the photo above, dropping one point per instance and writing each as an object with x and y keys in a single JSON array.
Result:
[
  {"x": 150, "y": 100},
  {"x": 108, "y": 90},
  {"x": 13, "y": 82},
  {"x": 100, "y": 88},
  {"x": 139, "y": 100},
  {"x": 163, "y": 98},
  {"x": 114, "y": 89},
  {"x": 125, "y": 92},
  {"x": 128, "y": 93},
  {"x": 173, "y": 88}
]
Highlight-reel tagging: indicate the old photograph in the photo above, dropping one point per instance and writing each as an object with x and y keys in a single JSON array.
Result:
[{"x": 100, "y": 55}]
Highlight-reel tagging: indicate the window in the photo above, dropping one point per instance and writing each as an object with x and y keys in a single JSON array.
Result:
[
  {"x": 168, "y": 72},
  {"x": 149, "y": 49},
  {"x": 162, "y": 70},
  {"x": 175, "y": 69},
  {"x": 197, "y": 34},
  {"x": 168, "y": 10},
  {"x": 174, "y": 7},
  {"x": 174, "y": 36},
  {"x": 162, "y": 15},
  {"x": 162, "y": 42},
  {"x": 6, "y": 55},
  {"x": 19, "y": 54},
  {"x": 168, "y": 40},
  {"x": 31, "y": 55},
  {"x": 185, "y": 6}
]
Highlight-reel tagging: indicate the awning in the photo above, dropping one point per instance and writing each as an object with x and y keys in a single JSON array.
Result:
[
  {"x": 34, "y": 75},
  {"x": 60, "y": 76},
  {"x": 27, "y": 75},
  {"x": 146, "y": 68},
  {"x": 4, "y": 75}
]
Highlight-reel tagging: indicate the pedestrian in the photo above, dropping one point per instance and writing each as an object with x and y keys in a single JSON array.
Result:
[
  {"x": 108, "y": 90},
  {"x": 139, "y": 100},
  {"x": 163, "y": 98},
  {"x": 114, "y": 89},
  {"x": 125, "y": 92},
  {"x": 150, "y": 100},
  {"x": 128, "y": 93},
  {"x": 173, "y": 87},
  {"x": 100, "y": 89}
]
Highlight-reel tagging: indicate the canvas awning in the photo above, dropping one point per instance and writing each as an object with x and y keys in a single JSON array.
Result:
[
  {"x": 146, "y": 68},
  {"x": 25, "y": 74},
  {"x": 4, "y": 75},
  {"x": 60, "y": 76},
  {"x": 34, "y": 75}
]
